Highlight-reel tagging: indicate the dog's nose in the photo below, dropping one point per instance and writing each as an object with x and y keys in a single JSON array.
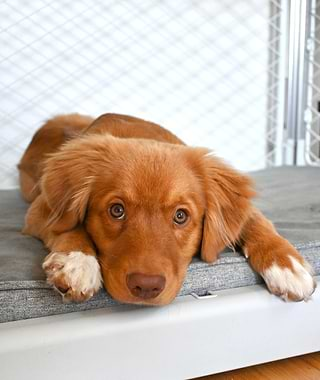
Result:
[{"x": 145, "y": 286}]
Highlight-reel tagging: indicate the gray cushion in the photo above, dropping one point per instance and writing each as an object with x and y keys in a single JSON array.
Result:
[{"x": 289, "y": 197}]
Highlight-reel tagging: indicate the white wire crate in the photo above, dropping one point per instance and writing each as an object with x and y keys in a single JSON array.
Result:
[{"x": 211, "y": 71}]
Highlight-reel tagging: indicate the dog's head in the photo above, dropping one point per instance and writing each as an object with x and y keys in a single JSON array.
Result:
[{"x": 148, "y": 207}]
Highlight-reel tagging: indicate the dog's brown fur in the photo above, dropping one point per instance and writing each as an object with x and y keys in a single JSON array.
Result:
[{"x": 75, "y": 168}]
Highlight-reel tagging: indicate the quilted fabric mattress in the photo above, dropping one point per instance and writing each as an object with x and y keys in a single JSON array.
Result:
[{"x": 289, "y": 196}]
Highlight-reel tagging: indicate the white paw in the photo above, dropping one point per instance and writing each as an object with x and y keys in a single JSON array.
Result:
[
  {"x": 294, "y": 284},
  {"x": 75, "y": 275}
]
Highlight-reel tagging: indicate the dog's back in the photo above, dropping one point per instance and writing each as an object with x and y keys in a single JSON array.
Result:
[{"x": 61, "y": 129}]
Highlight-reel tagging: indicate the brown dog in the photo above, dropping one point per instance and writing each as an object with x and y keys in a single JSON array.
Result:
[{"x": 130, "y": 194}]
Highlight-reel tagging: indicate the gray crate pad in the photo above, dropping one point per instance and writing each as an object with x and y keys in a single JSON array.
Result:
[{"x": 288, "y": 196}]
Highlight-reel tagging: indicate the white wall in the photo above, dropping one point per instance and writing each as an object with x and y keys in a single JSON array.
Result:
[{"x": 199, "y": 68}]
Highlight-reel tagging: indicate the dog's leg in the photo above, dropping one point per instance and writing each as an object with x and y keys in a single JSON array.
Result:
[
  {"x": 284, "y": 270},
  {"x": 72, "y": 266}
]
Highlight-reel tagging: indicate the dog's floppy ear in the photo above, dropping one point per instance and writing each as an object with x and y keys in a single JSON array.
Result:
[
  {"x": 66, "y": 184},
  {"x": 227, "y": 194}
]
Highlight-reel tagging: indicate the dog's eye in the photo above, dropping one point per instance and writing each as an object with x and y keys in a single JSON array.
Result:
[
  {"x": 117, "y": 211},
  {"x": 180, "y": 217}
]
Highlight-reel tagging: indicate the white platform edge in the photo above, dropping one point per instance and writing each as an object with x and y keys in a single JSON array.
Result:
[{"x": 189, "y": 338}]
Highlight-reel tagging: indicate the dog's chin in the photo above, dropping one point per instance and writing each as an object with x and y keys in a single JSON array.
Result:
[
  {"x": 161, "y": 300},
  {"x": 139, "y": 302}
]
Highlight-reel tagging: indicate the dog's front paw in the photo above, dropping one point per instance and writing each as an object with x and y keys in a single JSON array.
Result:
[
  {"x": 294, "y": 283},
  {"x": 75, "y": 275}
]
